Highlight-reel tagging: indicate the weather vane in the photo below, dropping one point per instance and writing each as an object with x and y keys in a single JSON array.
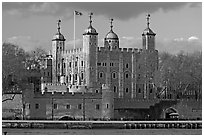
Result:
[
  {"x": 111, "y": 21},
  {"x": 148, "y": 18},
  {"x": 90, "y": 17},
  {"x": 58, "y": 25}
]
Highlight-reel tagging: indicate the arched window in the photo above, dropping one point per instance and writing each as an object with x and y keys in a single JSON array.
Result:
[
  {"x": 127, "y": 65},
  {"x": 126, "y": 75},
  {"x": 126, "y": 90},
  {"x": 115, "y": 89},
  {"x": 82, "y": 75},
  {"x": 139, "y": 90},
  {"x": 100, "y": 74},
  {"x": 75, "y": 76},
  {"x": 114, "y": 76},
  {"x": 150, "y": 90}
]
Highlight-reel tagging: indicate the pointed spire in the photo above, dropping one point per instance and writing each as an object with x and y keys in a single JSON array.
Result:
[
  {"x": 58, "y": 25},
  {"x": 90, "y": 17},
  {"x": 148, "y": 18},
  {"x": 111, "y": 22}
]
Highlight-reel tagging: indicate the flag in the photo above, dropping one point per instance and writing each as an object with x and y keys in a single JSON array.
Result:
[{"x": 78, "y": 13}]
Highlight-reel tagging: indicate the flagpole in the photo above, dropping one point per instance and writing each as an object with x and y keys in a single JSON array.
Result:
[{"x": 74, "y": 29}]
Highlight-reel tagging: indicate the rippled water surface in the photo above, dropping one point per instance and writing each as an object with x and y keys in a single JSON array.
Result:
[{"x": 15, "y": 131}]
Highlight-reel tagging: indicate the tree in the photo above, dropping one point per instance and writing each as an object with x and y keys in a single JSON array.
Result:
[
  {"x": 179, "y": 73},
  {"x": 13, "y": 67},
  {"x": 19, "y": 67}
]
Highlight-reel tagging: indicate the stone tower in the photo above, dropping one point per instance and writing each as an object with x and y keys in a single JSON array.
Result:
[
  {"x": 148, "y": 62},
  {"x": 148, "y": 37},
  {"x": 90, "y": 46},
  {"x": 58, "y": 47},
  {"x": 107, "y": 102},
  {"x": 111, "y": 40}
]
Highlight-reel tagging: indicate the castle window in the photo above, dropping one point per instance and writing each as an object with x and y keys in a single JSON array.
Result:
[
  {"x": 75, "y": 76},
  {"x": 70, "y": 64},
  {"x": 139, "y": 90},
  {"x": 82, "y": 63},
  {"x": 48, "y": 74},
  {"x": 96, "y": 91},
  {"x": 64, "y": 65},
  {"x": 79, "y": 106},
  {"x": 127, "y": 65},
  {"x": 126, "y": 75},
  {"x": 115, "y": 89},
  {"x": 107, "y": 105},
  {"x": 58, "y": 78},
  {"x": 82, "y": 75},
  {"x": 67, "y": 79},
  {"x": 127, "y": 90},
  {"x": 75, "y": 63},
  {"x": 138, "y": 76},
  {"x": 70, "y": 77},
  {"x": 150, "y": 90},
  {"x": 36, "y": 106},
  {"x": 97, "y": 106},
  {"x": 100, "y": 74},
  {"x": 45, "y": 89},
  {"x": 114, "y": 75},
  {"x": 68, "y": 106},
  {"x": 55, "y": 106},
  {"x": 58, "y": 65},
  {"x": 98, "y": 64}
]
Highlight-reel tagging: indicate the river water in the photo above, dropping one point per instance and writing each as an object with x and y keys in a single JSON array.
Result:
[{"x": 17, "y": 131}]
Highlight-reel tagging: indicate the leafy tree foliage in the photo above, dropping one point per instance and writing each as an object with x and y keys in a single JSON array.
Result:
[
  {"x": 19, "y": 67},
  {"x": 180, "y": 72}
]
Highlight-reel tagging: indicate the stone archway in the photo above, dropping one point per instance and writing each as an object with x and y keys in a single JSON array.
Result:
[{"x": 169, "y": 112}]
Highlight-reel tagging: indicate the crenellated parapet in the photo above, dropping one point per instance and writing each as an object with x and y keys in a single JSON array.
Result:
[
  {"x": 68, "y": 95},
  {"x": 73, "y": 51}
]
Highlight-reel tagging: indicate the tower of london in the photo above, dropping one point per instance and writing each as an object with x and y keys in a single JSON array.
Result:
[
  {"x": 128, "y": 71},
  {"x": 95, "y": 81}
]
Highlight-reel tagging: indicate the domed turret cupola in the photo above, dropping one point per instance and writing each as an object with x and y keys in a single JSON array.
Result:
[
  {"x": 58, "y": 47},
  {"x": 90, "y": 30},
  {"x": 58, "y": 35},
  {"x": 148, "y": 37},
  {"x": 111, "y": 39}
]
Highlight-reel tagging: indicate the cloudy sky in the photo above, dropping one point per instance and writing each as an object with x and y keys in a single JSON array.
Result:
[{"x": 178, "y": 25}]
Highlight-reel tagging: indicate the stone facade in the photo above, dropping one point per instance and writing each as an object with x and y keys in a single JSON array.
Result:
[{"x": 95, "y": 82}]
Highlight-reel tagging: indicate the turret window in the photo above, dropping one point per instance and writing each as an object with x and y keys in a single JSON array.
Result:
[
  {"x": 36, "y": 106},
  {"x": 75, "y": 63},
  {"x": 55, "y": 106},
  {"x": 127, "y": 65},
  {"x": 114, "y": 76},
  {"x": 68, "y": 106},
  {"x": 126, "y": 75},
  {"x": 139, "y": 90},
  {"x": 80, "y": 106},
  {"x": 127, "y": 90},
  {"x": 82, "y": 75},
  {"x": 97, "y": 106},
  {"x": 70, "y": 64},
  {"x": 82, "y": 63},
  {"x": 115, "y": 89},
  {"x": 100, "y": 74}
]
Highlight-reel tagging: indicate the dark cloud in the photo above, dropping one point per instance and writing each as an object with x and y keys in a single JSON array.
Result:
[{"x": 119, "y": 10}]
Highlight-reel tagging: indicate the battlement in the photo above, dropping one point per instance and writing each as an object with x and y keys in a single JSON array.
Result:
[
  {"x": 101, "y": 49},
  {"x": 129, "y": 50},
  {"x": 68, "y": 95},
  {"x": 73, "y": 51}
]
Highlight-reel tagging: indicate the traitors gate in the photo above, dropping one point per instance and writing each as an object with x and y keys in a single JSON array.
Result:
[{"x": 101, "y": 124}]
